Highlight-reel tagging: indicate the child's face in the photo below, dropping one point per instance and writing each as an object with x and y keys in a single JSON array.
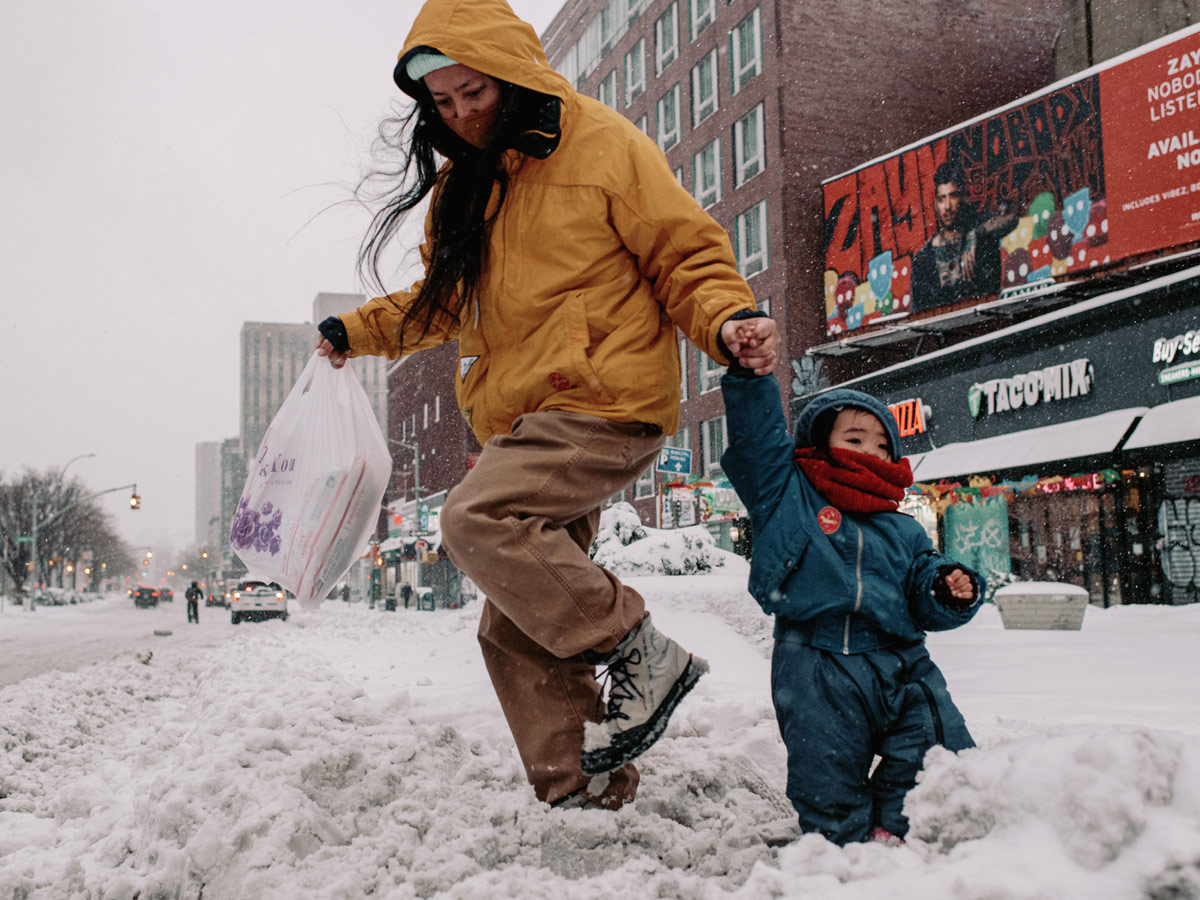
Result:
[{"x": 857, "y": 429}]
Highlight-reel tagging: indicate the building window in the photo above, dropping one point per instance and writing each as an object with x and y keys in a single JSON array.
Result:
[
  {"x": 745, "y": 52},
  {"x": 679, "y": 175},
  {"x": 706, "y": 174},
  {"x": 644, "y": 486},
  {"x": 634, "y": 9},
  {"x": 713, "y": 437},
  {"x": 681, "y": 439},
  {"x": 607, "y": 91},
  {"x": 750, "y": 240},
  {"x": 702, "y": 13},
  {"x": 683, "y": 370},
  {"x": 568, "y": 66},
  {"x": 668, "y": 118},
  {"x": 704, "y": 88},
  {"x": 618, "y": 497},
  {"x": 708, "y": 372},
  {"x": 748, "y": 156},
  {"x": 587, "y": 51},
  {"x": 612, "y": 25},
  {"x": 642, "y": 124},
  {"x": 635, "y": 71},
  {"x": 666, "y": 39}
]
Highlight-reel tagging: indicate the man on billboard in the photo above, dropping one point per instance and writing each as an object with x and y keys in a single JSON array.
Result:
[{"x": 962, "y": 259}]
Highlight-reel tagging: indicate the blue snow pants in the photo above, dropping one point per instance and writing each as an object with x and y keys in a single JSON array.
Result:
[{"x": 838, "y": 712}]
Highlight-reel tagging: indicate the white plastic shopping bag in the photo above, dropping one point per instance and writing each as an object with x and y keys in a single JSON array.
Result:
[{"x": 314, "y": 488}]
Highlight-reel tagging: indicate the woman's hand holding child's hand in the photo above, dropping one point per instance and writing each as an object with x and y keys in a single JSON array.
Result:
[{"x": 755, "y": 343}]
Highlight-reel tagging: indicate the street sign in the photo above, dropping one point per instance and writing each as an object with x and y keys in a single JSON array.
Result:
[
  {"x": 25, "y": 539},
  {"x": 675, "y": 461}
]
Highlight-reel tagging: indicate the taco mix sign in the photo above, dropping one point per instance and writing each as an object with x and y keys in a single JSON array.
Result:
[{"x": 1048, "y": 385}]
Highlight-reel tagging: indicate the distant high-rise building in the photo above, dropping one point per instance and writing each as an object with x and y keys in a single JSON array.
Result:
[
  {"x": 233, "y": 479},
  {"x": 273, "y": 356},
  {"x": 208, "y": 494}
]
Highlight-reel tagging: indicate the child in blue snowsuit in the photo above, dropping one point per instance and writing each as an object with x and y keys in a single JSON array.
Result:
[{"x": 854, "y": 586}]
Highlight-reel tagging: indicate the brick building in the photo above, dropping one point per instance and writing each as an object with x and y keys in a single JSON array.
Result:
[{"x": 753, "y": 102}]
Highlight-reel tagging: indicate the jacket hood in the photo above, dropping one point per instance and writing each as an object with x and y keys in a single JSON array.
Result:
[
  {"x": 842, "y": 398},
  {"x": 487, "y": 36}
]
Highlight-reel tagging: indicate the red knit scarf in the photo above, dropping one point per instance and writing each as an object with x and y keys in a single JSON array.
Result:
[{"x": 855, "y": 482}]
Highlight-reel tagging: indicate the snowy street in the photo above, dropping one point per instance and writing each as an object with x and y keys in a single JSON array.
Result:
[
  {"x": 350, "y": 752},
  {"x": 65, "y": 638}
]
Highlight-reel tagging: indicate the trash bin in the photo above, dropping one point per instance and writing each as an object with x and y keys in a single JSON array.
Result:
[{"x": 1045, "y": 605}]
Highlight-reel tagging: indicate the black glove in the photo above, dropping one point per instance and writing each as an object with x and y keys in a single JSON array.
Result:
[
  {"x": 941, "y": 591},
  {"x": 334, "y": 331}
]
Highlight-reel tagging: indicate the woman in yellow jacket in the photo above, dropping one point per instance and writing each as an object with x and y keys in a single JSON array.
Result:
[{"x": 561, "y": 254}]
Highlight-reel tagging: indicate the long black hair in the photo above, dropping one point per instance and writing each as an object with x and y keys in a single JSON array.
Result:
[{"x": 458, "y": 241}]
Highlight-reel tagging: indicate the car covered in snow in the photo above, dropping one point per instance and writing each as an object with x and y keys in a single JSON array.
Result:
[{"x": 257, "y": 600}]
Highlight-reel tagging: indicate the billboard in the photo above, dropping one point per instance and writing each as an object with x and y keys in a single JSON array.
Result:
[{"x": 1089, "y": 171}]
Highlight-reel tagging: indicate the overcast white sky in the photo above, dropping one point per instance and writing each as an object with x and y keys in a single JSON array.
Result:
[{"x": 171, "y": 171}]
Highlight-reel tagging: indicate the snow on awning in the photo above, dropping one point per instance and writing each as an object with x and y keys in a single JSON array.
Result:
[
  {"x": 1067, "y": 440},
  {"x": 1168, "y": 423}
]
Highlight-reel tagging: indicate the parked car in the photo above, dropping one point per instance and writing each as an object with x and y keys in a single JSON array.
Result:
[
  {"x": 145, "y": 597},
  {"x": 257, "y": 600}
]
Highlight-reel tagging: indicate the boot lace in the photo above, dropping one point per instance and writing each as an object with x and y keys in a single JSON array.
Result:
[{"x": 620, "y": 684}]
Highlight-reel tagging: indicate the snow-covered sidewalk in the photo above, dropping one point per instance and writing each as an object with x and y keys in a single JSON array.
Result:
[{"x": 351, "y": 753}]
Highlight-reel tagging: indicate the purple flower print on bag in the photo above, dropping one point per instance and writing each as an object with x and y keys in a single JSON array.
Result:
[{"x": 257, "y": 529}]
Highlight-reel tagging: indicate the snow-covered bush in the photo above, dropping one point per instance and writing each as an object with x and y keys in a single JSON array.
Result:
[
  {"x": 626, "y": 547},
  {"x": 52, "y": 596},
  {"x": 619, "y": 527}
]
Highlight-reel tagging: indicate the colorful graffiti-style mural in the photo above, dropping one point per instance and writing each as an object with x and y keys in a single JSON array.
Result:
[{"x": 1022, "y": 194}]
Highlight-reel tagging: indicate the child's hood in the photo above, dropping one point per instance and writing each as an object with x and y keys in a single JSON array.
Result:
[{"x": 843, "y": 398}]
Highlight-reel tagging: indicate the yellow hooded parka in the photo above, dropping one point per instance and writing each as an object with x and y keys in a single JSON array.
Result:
[{"x": 596, "y": 255}]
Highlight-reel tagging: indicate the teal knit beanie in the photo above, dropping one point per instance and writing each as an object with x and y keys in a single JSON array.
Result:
[{"x": 425, "y": 62}]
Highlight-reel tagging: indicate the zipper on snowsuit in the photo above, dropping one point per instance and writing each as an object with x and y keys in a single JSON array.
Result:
[{"x": 857, "y": 596}]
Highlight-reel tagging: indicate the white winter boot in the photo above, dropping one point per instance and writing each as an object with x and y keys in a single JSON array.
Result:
[{"x": 647, "y": 675}]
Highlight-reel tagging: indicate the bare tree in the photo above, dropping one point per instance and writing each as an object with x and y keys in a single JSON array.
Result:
[{"x": 81, "y": 527}]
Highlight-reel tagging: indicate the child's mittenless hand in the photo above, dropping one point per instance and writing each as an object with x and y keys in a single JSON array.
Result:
[
  {"x": 754, "y": 342},
  {"x": 955, "y": 588}
]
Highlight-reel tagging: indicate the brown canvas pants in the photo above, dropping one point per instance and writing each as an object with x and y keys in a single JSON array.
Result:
[{"x": 520, "y": 526}]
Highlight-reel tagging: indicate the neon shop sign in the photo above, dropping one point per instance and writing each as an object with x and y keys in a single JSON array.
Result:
[{"x": 911, "y": 416}]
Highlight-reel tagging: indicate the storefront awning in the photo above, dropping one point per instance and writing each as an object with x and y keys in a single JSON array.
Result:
[
  {"x": 1067, "y": 440},
  {"x": 1168, "y": 423}
]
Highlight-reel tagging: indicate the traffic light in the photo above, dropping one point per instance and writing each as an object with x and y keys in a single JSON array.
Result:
[{"x": 135, "y": 500}]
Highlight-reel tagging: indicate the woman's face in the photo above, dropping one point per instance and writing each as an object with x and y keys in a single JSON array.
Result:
[{"x": 468, "y": 101}]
